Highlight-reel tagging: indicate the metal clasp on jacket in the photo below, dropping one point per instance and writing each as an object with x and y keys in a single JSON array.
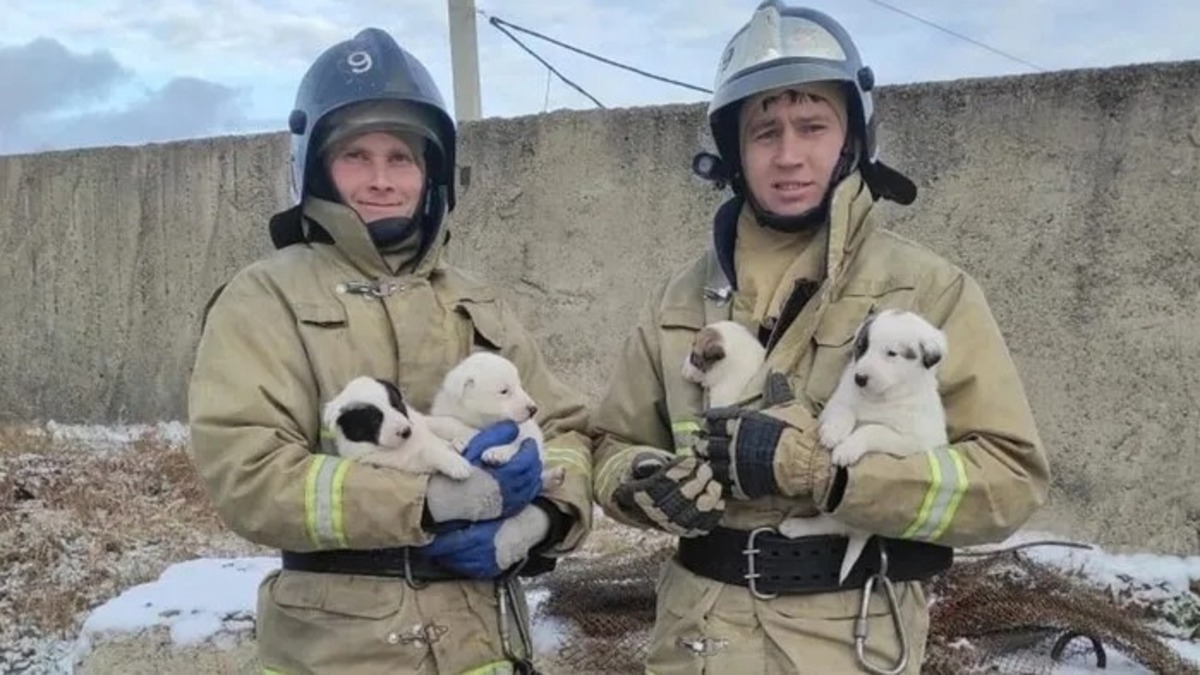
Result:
[
  {"x": 752, "y": 575},
  {"x": 718, "y": 294},
  {"x": 380, "y": 288},
  {"x": 860, "y": 624},
  {"x": 701, "y": 646}
]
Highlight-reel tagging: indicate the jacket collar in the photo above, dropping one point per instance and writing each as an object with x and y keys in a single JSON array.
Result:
[
  {"x": 345, "y": 230},
  {"x": 849, "y": 222}
]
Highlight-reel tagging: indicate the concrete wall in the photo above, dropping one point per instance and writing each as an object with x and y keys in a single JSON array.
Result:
[{"x": 1072, "y": 197}]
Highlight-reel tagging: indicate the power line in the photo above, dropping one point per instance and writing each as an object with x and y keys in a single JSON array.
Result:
[
  {"x": 957, "y": 35},
  {"x": 494, "y": 21}
]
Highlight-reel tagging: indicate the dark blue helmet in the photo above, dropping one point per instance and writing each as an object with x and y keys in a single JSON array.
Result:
[{"x": 372, "y": 68}]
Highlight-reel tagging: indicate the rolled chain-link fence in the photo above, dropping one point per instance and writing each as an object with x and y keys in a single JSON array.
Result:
[{"x": 998, "y": 613}]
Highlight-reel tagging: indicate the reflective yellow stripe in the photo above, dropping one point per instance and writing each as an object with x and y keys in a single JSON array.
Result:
[
  {"x": 960, "y": 470},
  {"x": 947, "y": 482},
  {"x": 576, "y": 457},
  {"x": 323, "y": 515},
  {"x": 684, "y": 433},
  {"x": 610, "y": 471},
  {"x": 493, "y": 668}
]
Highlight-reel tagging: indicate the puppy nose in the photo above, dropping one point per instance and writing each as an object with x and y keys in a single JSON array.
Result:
[
  {"x": 860, "y": 379},
  {"x": 405, "y": 432},
  {"x": 532, "y": 409}
]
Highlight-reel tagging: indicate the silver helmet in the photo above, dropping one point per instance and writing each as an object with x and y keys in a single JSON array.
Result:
[{"x": 781, "y": 46}]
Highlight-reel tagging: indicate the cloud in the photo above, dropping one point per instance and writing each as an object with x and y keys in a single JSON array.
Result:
[
  {"x": 43, "y": 76},
  {"x": 55, "y": 98},
  {"x": 252, "y": 53}
]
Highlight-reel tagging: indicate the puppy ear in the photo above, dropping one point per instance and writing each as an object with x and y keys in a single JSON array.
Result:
[
  {"x": 862, "y": 337},
  {"x": 933, "y": 349},
  {"x": 708, "y": 342},
  {"x": 930, "y": 355},
  {"x": 395, "y": 397}
]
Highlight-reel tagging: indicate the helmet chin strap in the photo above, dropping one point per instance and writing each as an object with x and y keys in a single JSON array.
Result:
[
  {"x": 817, "y": 215},
  {"x": 387, "y": 232}
]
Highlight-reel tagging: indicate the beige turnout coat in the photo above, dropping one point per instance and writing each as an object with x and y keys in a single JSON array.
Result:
[
  {"x": 979, "y": 489},
  {"x": 285, "y": 335}
]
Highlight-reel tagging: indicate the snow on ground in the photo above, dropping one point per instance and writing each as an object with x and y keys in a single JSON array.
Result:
[{"x": 213, "y": 599}]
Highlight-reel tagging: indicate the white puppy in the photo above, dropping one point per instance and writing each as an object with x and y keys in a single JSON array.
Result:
[
  {"x": 886, "y": 401},
  {"x": 724, "y": 358},
  {"x": 371, "y": 423},
  {"x": 485, "y": 388}
]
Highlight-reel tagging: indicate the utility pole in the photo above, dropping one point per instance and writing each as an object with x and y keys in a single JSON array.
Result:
[{"x": 464, "y": 59}]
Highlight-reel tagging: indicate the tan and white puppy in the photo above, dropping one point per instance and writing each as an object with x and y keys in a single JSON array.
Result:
[
  {"x": 371, "y": 423},
  {"x": 724, "y": 358},
  {"x": 481, "y": 390}
]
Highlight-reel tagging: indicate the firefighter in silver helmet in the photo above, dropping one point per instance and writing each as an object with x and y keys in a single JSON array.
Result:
[{"x": 798, "y": 257}]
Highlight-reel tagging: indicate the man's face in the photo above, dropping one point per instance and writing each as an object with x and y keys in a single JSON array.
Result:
[
  {"x": 790, "y": 145},
  {"x": 377, "y": 175}
]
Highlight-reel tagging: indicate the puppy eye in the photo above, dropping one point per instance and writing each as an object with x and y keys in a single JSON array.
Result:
[
  {"x": 891, "y": 354},
  {"x": 504, "y": 391}
]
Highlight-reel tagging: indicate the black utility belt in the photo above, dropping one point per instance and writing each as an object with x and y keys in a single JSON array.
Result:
[
  {"x": 401, "y": 563},
  {"x": 769, "y": 563}
]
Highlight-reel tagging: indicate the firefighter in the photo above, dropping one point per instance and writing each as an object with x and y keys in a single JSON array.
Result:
[
  {"x": 382, "y": 571},
  {"x": 799, "y": 257}
]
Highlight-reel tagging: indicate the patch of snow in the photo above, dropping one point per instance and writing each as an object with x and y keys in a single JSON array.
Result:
[
  {"x": 198, "y": 600},
  {"x": 115, "y": 437}
]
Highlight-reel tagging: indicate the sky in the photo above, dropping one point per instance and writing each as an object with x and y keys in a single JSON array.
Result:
[{"x": 86, "y": 73}]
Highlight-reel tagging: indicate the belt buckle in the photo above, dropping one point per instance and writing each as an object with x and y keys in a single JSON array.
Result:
[{"x": 751, "y": 552}]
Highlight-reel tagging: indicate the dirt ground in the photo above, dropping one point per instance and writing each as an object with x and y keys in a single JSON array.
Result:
[{"x": 87, "y": 514}]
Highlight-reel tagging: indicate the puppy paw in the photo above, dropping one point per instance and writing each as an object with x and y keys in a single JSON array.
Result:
[
  {"x": 499, "y": 455},
  {"x": 457, "y": 468},
  {"x": 848, "y": 452},
  {"x": 791, "y": 528},
  {"x": 835, "y": 427},
  {"x": 552, "y": 479}
]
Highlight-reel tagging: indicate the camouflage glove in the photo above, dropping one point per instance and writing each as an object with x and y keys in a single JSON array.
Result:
[
  {"x": 675, "y": 494},
  {"x": 774, "y": 451}
]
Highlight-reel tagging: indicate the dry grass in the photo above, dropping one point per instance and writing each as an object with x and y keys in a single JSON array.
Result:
[{"x": 79, "y": 525}]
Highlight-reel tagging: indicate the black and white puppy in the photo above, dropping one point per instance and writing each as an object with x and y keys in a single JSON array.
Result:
[{"x": 372, "y": 423}]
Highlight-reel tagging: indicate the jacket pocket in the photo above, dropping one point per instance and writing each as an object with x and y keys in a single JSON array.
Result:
[
  {"x": 324, "y": 330},
  {"x": 834, "y": 336},
  {"x": 486, "y": 325},
  {"x": 336, "y": 623}
]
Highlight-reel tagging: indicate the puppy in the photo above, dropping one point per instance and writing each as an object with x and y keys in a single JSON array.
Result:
[
  {"x": 485, "y": 388},
  {"x": 371, "y": 423},
  {"x": 887, "y": 400},
  {"x": 724, "y": 358}
]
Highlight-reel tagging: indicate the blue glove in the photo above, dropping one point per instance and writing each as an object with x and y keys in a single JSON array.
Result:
[
  {"x": 489, "y": 492},
  {"x": 520, "y": 478},
  {"x": 485, "y": 549}
]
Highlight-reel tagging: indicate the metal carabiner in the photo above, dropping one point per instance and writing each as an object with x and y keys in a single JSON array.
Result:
[
  {"x": 505, "y": 595},
  {"x": 860, "y": 624},
  {"x": 408, "y": 575}
]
